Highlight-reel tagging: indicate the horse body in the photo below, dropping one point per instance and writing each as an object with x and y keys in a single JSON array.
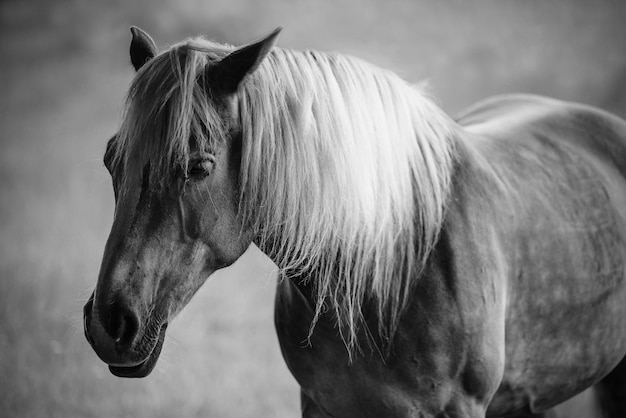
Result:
[
  {"x": 524, "y": 292},
  {"x": 431, "y": 268},
  {"x": 564, "y": 172}
]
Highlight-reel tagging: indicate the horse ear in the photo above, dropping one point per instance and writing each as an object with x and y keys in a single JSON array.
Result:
[
  {"x": 234, "y": 68},
  {"x": 142, "y": 48}
]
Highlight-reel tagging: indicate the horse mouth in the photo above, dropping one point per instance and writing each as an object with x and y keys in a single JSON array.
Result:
[{"x": 144, "y": 368}]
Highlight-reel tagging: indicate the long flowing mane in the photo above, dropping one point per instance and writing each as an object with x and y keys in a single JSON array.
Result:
[{"x": 345, "y": 168}]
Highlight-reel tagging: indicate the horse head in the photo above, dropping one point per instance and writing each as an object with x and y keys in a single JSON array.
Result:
[{"x": 175, "y": 171}]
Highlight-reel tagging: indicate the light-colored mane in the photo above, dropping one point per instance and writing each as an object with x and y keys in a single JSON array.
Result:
[{"x": 345, "y": 168}]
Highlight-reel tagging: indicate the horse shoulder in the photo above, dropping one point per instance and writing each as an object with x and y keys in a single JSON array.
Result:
[{"x": 445, "y": 360}]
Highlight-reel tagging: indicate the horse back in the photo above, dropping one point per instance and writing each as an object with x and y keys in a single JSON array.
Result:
[{"x": 554, "y": 176}]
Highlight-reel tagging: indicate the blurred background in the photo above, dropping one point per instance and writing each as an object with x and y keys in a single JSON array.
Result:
[{"x": 64, "y": 69}]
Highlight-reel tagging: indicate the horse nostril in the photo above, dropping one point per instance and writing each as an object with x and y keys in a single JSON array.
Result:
[
  {"x": 87, "y": 318},
  {"x": 123, "y": 326}
]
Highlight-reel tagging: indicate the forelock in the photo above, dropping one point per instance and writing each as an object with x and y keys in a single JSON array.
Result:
[{"x": 171, "y": 110}]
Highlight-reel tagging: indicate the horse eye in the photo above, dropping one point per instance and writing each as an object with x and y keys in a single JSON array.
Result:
[{"x": 200, "y": 169}]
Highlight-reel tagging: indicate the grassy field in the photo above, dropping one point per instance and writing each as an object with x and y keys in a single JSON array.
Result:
[{"x": 63, "y": 75}]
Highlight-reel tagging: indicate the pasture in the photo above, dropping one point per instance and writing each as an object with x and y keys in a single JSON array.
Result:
[{"x": 64, "y": 73}]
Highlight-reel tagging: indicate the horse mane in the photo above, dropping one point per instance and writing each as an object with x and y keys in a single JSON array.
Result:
[{"x": 345, "y": 168}]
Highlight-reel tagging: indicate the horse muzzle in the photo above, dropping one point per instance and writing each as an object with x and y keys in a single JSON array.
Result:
[{"x": 129, "y": 349}]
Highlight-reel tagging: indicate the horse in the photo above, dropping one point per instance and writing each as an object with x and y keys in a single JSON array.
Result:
[{"x": 428, "y": 266}]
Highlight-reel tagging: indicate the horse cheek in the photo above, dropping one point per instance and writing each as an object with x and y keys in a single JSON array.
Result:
[{"x": 207, "y": 222}]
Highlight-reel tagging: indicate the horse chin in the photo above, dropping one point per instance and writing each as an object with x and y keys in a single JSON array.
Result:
[{"x": 144, "y": 368}]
